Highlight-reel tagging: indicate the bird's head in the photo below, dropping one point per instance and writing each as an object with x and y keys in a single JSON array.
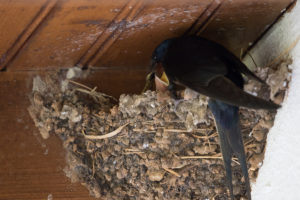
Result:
[
  {"x": 160, "y": 53},
  {"x": 157, "y": 57}
]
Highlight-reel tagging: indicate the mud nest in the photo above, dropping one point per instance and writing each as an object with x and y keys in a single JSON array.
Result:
[{"x": 145, "y": 147}]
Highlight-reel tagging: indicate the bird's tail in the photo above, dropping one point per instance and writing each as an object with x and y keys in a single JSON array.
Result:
[{"x": 228, "y": 125}]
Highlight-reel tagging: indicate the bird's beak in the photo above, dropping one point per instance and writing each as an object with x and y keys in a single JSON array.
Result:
[
  {"x": 160, "y": 82},
  {"x": 164, "y": 79},
  {"x": 150, "y": 77},
  {"x": 149, "y": 81}
]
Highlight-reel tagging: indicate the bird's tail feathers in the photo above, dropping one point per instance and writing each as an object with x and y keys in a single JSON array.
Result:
[{"x": 228, "y": 125}]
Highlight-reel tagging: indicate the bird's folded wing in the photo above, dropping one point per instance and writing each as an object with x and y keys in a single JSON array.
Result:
[
  {"x": 223, "y": 89},
  {"x": 233, "y": 61},
  {"x": 200, "y": 71}
]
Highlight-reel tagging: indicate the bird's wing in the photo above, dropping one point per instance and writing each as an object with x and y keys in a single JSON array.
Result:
[
  {"x": 227, "y": 57},
  {"x": 203, "y": 71},
  {"x": 223, "y": 89},
  {"x": 232, "y": 60},
  {"x": 201, "y": 60},
  {"x": 191, "y": 62}
]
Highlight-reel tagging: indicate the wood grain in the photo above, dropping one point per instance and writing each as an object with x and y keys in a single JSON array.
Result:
[{"x": 121, "y": 33}]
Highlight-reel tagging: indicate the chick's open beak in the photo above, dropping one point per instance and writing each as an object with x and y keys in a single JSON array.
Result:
[
  {"x": 160, "y": 80},
  {"x": 149, "y": 81},
  {"x": 164, "y": 78}
]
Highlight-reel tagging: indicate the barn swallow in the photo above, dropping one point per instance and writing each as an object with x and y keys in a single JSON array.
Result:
[{"x": 210, "y": 69}]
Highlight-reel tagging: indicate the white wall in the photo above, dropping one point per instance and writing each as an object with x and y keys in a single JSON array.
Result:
[{"x": 279, "y": 177}]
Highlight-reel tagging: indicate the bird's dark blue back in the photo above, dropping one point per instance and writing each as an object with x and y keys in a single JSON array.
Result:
[{"x": 197, "y": 60}]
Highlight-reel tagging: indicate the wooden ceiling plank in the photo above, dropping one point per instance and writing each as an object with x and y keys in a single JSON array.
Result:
[
  {"x": 27, "y": 33},
  {"x": 109, "y": 34}
]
